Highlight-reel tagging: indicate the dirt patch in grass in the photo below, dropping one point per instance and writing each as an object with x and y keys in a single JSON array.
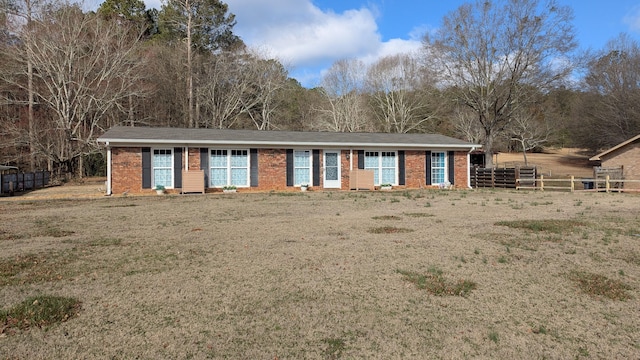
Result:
[{"x": 260, "y": 276}]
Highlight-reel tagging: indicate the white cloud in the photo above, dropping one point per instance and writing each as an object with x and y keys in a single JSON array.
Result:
[
  {"x": 310, "y": 39},
  {"x": 392, "y": 47},
  {"x": 302, "y": 34},
  {"x": 632, "y": 19}
]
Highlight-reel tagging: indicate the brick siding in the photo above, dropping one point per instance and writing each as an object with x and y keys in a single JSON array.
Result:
[
  {"x": 127, "y": 169},
  {"x": 629, "y": 158},
  {"x": 461, "y": 179}
]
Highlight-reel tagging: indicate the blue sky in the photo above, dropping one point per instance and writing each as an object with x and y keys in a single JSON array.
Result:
[{"x": 309, "y": 35}]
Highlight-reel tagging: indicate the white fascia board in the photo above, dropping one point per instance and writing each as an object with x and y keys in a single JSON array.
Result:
[{"x": 280, "y": 144}]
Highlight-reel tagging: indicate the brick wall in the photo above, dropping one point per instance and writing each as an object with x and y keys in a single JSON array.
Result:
[
  {"x": 629, "y": 158},
  {"x": 272, "y": 169},
  {"x": 126, "y": 170},
  {"x": 461, "y": 179},
  {"x": 194, "y": 158},
  {"x": 345, "y": 166},
  {"x": 415, "y": 169}
]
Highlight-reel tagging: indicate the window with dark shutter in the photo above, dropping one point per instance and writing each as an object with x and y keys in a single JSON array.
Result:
[
  {"x": 316, "y": 167},
  {"x": 427, "y": 161},
  {"x": 177, "y": 167},
  {"x": 289, "y": 167},
  {"x": 204, "y": 165},
  {"x": 360, "y": 159},
  {"x": 452, "y": 167},
  {"x": 401, "y": 168},
  {"x": 254, "y": 167},
  {"x": 146, "y": 168}
]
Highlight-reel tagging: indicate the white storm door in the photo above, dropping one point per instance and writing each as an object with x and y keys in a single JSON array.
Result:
[{"x": 332, "y": 178}]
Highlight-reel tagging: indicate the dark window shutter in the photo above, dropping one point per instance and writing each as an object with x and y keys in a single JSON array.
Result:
[
  {"x": 360, "y": 159},
  {"x": 254, "y": 167},
  {"x": 401, "y": 168},
  {"x": 204, "y": 164},
  {"x": 316, "y": 168},
  {"x": 427, "y": 163},
  {"x": 146, "y": 168},
  {"x": 452, "y": 166},
  {"x": 177, "y": 167},
  {"x": 289, "y": 167}
]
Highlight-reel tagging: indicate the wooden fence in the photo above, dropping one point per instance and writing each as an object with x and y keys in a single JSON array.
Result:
[
  {"x": 505, "y": 178},
  {"x": 17, "y": 182},
  {"x": 605, "y": 180},
  {"x": 605, "y": 184}
]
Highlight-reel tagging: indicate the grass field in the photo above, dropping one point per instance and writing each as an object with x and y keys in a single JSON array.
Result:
[{"x": 323, "y": 275}]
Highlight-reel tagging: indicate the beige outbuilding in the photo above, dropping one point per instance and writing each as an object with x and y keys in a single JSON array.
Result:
[{"x": 626, "y": 156}]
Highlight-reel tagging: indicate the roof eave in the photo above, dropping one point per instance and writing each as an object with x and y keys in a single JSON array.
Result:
[
  {"x": 279, "y": 144},
  {"x": 614, "y": 148}
]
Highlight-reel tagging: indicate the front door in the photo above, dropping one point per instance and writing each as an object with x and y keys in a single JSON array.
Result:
[{"x": 332, "y": 169}]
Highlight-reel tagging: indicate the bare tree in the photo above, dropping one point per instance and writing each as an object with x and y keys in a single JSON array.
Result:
[
  {"x": 268, "y": 78},
  {"x": 85, "y": 66},
  {"x": 22, "y": 14},
  {"x": 465, "y": 124},
  {"x": 165, "y": 73},
  {"x": 343, "y": 88},
  {"x": 530, "y": 129},
  {"x": 403, "y": 98},
  {"x": 610, "y": 110},
  {"x": 493, "y": 53},
  {"x": 223, "y": 85}
]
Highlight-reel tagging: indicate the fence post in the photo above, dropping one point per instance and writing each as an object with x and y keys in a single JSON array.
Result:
[
  {"x": 493, "y": 177},
  {"x": 541, "y": 182},
  {"x": 573, "y": 188},
  {"x": 606, "y": 183}
]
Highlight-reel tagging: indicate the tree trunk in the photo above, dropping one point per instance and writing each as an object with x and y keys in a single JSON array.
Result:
[
  {"x": 524, "y": 152},
  {"x": 189, "y": 66},
  {"x": 80, "y": 166},
  {"x": 487, "y": 146},
  {"x": 30, "y": 118},
  {"x": 131, "y": 120}
]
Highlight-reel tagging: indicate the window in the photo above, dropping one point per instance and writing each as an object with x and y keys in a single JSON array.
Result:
[
  {"x": 438, "y": 167},
  {"x": 229, "y": 167},
  {"x": 301, "y": 167},
  {"x": 383, "y": 164},
  {"x": 162, "y": 168}
]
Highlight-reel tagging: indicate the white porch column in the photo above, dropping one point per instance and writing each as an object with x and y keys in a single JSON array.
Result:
[
  {"x": 350, "y": 159},
  {"x": 186, "y": 159},
  {"x": 108, "y": 169}
]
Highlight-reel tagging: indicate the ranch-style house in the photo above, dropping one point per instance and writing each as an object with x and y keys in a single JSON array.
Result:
[{"x": 140, "y": 159}]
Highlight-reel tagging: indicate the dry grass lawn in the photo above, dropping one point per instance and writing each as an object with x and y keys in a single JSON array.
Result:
[
  {"x": 555, "y": 163},
  {"x": 328, "y": 275}
]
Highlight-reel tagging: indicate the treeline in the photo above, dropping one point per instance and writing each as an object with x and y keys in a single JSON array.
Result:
[{"x": 506, "y": 82}]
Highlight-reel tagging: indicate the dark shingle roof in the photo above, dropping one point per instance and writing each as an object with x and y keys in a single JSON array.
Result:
[{"x": 137, "y": 136}]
